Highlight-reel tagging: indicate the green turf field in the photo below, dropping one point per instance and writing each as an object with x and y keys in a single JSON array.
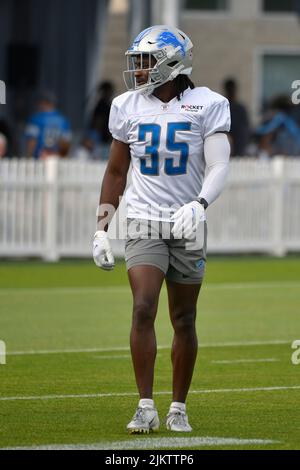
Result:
[{"x": 69, "y": 381}]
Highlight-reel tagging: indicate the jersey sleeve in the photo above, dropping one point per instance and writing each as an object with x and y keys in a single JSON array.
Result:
[
  {"x": 218, "y": 118},
  {"x": 118, "y": 123}
]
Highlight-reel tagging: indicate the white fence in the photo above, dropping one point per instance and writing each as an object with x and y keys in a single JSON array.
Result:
[{"x": 48, "y": 208}]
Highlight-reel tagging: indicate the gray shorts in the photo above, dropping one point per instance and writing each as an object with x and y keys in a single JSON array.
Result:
[{"x": 150, "y": 243}]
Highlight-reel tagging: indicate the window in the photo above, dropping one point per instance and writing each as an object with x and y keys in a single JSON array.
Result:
[
  {"x": 206, "y": 4},
  {"x": 280, "y": 5},
  {"x": 279, "y": 72}
]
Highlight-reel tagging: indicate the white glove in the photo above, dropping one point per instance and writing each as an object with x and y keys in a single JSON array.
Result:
[
  {"x": 187, "y": 220},
  {"x": 102, "y": 253}
]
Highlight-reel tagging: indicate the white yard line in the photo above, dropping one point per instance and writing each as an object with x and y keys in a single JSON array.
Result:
[
  {"x": 124, "y": 356},
  {"x": 66, "y": 290},
  {"x": 252, "y": 285},
  {"x": 121, "y": 289},
  {"x": 273, "y": 342},
  {"x": 71, "y": 351},
  {"x": 246, "y": 361},
  {"x": 133, "y": 394},
  {"x": 156, "y": 443}
]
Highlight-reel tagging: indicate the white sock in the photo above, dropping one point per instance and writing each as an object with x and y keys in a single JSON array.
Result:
[
  {"x": 146, "y": 403},
  {"x": 177, "y": 406}
]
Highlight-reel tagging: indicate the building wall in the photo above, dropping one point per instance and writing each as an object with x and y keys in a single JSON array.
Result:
[
  {"x": 225, "y": 43},
  {"x": 230, "y": 45},
  {"x": 115, "y": 44}
]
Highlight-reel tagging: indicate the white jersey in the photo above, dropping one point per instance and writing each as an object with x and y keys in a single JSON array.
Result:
[{"x": 167, "y": 147}]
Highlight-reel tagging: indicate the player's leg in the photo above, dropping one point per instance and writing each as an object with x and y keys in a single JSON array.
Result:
[
  {"x": 184, "y": 279},
  {"x": 145, "y": 282},
  {"x": 183, "y": 309},
  {"x": 147, "y": 261}
]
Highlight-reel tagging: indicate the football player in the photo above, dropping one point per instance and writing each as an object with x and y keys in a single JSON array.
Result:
[{"x": 170, "y": 131}]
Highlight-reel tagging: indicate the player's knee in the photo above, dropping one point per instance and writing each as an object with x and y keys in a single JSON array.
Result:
[
  {"x": 144, "y": 312},
  {"x": 184, "y": 321}
]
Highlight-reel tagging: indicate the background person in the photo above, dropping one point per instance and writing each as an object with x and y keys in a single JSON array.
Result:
[
  {"x": 100, "y": 117},
  {"x": 240, "y": 128},
  {"x": 280, "y": 133},
  {"x": 47, "y": 132}
]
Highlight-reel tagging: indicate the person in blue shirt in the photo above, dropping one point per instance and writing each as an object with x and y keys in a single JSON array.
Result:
[
  {"x": 47, "y": 132},
  {"x": 280, "y": 133}
]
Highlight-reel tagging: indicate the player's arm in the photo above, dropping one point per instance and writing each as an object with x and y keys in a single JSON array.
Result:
[
  {"x": 216, "y": 150},
  {"x": 114, "y": 181},
  {"x": 217, "y": 154},
  {"x": 113, "y": 186}
]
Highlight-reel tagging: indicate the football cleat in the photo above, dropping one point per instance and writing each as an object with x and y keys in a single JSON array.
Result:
[
  {"x": 178, "y": 421},
  {"x": 164, "y": 52},
  {"x": 144, "y": 421}
]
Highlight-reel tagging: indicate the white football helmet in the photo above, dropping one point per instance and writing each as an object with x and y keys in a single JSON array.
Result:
[{"x": 173, "y": 53}]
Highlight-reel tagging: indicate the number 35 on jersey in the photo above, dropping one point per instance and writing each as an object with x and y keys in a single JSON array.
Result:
[{"x": 150, "y": 164}]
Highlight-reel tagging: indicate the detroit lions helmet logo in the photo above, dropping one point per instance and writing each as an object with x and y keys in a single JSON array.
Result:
[{"x": 167, "y": 38}]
